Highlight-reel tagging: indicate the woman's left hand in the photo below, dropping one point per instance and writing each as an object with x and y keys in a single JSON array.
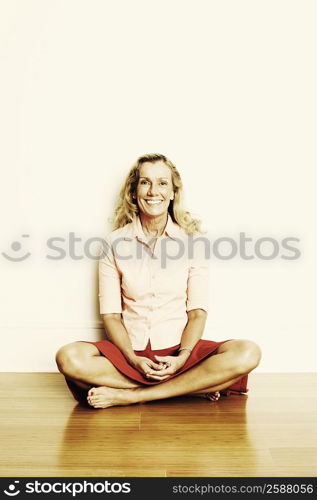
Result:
[{"x": 171, "y": 365}]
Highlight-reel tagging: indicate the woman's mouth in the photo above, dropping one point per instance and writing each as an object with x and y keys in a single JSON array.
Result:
[{"x": 153, "y": 202}]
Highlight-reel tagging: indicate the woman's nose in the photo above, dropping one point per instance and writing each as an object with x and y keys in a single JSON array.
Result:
[{"x": 153, "y": 189}]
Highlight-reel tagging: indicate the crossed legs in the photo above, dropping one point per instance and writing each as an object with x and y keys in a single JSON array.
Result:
[{"x": 82, "y": 363}]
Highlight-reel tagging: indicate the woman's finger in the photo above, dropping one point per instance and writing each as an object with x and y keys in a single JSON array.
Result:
[
  {"x": 154, "y": 365},
  {"x": 162, "y": 359},
  {"x": 162, "y": 373},
  {"x": 156, "y": 377}
]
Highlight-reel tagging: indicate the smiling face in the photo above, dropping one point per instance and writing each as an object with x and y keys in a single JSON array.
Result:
[{"x": 154, "y": 189}]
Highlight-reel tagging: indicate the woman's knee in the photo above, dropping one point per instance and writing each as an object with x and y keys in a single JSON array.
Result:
[
  {"x": 70, "y": 359},
  {"x": 248, "y": 355}
]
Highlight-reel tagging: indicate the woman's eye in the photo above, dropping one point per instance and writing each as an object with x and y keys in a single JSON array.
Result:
[{"x": 162, "y": 183}]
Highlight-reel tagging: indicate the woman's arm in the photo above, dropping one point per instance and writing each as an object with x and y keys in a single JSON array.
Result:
[
  {"x": 117, "y": 334},
  {"x": 192, "y": 332},
  {"x": 111, "y": 309}
]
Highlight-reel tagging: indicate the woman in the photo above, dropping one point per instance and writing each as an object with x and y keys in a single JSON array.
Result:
[{"x": 154, "y": 305}]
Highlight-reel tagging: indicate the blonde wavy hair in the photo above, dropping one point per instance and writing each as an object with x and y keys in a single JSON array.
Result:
[{"x": 127, "y": 208}]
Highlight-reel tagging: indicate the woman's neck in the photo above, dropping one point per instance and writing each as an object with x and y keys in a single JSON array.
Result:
[{"x": 153, "y": 226}]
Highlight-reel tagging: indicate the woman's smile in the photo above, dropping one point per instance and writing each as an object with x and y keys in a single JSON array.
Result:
[{"x": 153, "y": 202}]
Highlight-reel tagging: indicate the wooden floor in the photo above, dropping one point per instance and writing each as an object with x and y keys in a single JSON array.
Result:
[{"x": 270, "y": 432}]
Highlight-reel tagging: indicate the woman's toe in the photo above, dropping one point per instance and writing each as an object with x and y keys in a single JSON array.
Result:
[
  {"x": 213, "y": 396},
  {"x": 96, "y": 403},
  {"x": 92, "y": 399}
]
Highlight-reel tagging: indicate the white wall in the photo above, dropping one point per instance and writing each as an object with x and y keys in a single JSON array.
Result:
[{"x": 227, "y": 90}]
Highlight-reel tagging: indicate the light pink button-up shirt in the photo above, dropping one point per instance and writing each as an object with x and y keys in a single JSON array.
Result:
[{"x": 152, "y": 290}]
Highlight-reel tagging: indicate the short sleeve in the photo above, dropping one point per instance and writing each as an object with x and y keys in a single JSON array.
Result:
[
  {"x": 198, "y": 280},
  {"x": 109, "y": 281}
]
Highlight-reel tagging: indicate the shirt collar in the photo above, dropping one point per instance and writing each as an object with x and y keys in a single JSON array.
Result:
[{"x": 171, "y": 229}]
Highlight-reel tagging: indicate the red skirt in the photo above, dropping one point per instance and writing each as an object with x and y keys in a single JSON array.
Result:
[{"x": 202, "y": 350}]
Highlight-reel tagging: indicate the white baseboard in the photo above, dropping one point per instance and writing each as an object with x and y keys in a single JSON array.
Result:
[{"x": 32, "y": 348}]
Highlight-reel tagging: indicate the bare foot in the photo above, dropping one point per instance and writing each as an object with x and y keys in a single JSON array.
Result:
[
  {"x": 212, "y": 396},
  {"x": 104, "y": 397}
]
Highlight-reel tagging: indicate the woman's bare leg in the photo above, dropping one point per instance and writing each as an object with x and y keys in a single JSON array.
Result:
[
  {"x": 233, "y": 360},
  {"x": 83, "y": 364}
]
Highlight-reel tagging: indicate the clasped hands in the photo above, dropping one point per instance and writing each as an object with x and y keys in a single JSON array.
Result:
[{"x": 162, "y": 369}]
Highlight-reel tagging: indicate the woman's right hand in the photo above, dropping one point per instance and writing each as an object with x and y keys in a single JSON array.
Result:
[{"x": 145, "y": 365}]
